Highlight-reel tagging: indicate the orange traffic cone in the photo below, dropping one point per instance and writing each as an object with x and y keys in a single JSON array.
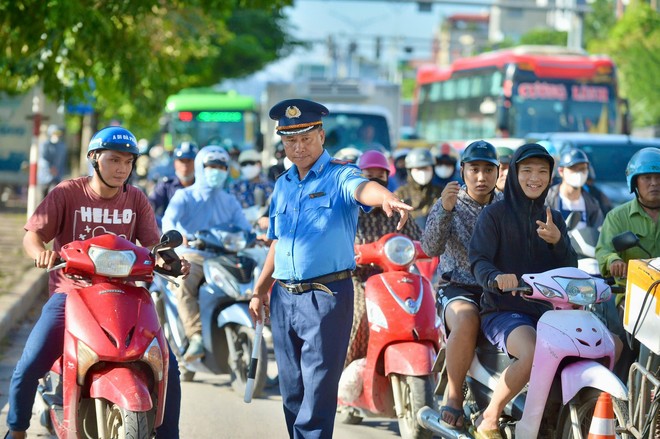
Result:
[{"x": 603, "y": 424}]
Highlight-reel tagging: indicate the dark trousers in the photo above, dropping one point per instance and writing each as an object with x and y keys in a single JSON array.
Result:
[
  {"x": 310, "y": 337},
  {"x": 45, "y": 345}
]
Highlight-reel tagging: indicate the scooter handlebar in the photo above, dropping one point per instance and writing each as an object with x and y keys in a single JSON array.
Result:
[
  {"x": 170, "y": 258},
  {"x": 522, "y": 287}
]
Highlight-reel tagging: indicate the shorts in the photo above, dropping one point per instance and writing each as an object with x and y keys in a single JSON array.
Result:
[
  {"x": 452, "y": 292},
  {"x": 497, "y": 326}
]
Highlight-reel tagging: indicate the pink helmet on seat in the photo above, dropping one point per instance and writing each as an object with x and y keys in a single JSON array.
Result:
[{"x": 373, "y": 159}]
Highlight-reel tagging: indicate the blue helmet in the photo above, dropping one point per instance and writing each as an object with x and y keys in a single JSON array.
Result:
[
  {"x": 186, "y": 150},
  {"x": 645, "y": 161},
  {"x": 114, "y": 138},
  {"x": 572, "y": 157}
]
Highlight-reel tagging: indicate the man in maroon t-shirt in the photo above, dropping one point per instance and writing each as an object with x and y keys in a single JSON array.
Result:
[{"x": 79, "y": 209}]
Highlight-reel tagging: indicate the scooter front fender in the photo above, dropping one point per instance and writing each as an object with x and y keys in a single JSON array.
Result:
[
  {"x": 123, "y": 386},
  {"x": 237, "y": 313},
  {"x": 588, "y": 373},
  {"x": 409, "y": 358}
]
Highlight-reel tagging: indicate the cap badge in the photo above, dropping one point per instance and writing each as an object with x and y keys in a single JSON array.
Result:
[{"x": 292, "y": 112}]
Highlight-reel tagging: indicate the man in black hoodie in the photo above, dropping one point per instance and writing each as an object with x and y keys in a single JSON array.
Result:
[{"x": 512, "y": 237}]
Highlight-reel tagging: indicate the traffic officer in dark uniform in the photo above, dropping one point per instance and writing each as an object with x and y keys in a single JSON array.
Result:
[
  {"x": 313, "y": 220},
  {"x": 184, "y": 170}
]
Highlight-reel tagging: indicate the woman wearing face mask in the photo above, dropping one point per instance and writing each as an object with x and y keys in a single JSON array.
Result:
[
  {"x": 419, "y": 191},
  {"x": 201, "y": 206},
  {"x": 371, "y": 226},
  {"x": 569, "y": 195}
]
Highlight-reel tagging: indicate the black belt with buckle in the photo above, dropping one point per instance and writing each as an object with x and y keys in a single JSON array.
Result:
[{"x": 315, "y": 283}]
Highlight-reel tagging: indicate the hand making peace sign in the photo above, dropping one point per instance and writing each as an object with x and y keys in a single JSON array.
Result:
[{"x": 548, "y": 231}]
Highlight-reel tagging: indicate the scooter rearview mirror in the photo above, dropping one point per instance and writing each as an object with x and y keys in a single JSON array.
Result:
[
  {"x": 625, "y": 241},
  {"x": 171, "y": 239}
]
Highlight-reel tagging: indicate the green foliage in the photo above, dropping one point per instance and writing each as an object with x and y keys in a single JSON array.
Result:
[
  {"x": 599, "y": 22},
  {"x": 545, "y": 37},
  {"x": 130, "y": 55},
  {"x": 504, "y": 44},
  {"x": 634, "y": 45}
]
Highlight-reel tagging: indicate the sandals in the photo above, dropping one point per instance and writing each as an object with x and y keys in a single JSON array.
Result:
[
  {"x": 457, "y": 414},
  {"x": 483, "y": 434},
  {"x": 487, "y": 434}
]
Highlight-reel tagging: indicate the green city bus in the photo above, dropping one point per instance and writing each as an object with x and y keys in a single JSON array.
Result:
[{"x": 206, "y": 116}]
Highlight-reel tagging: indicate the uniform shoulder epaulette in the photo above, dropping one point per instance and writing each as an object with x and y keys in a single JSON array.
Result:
[{"x": 339, "y": 162}]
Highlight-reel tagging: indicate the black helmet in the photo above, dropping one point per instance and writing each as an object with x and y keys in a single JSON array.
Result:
[
  {"x": 572, "y": 157},
  {"x": 480, "y": 151}
]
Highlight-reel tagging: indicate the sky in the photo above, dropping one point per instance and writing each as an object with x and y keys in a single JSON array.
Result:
[{"x": 399, "y": 24}]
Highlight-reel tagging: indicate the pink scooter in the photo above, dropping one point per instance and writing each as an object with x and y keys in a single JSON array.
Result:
[{"x": 573, "y": 362}]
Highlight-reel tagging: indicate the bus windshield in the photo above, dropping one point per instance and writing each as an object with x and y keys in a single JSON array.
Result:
[
  {"x": 207, "y": 116},
  {"x": 361, "y": 131},
  {"x": 215, "y": 127}
]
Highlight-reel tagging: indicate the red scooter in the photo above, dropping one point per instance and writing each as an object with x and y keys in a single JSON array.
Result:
[
  {"x": 112, "y": 376},
  {"x": 396, "y": 378}
]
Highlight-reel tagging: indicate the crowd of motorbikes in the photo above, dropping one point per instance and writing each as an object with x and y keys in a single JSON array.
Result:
[{"x": 121, "y": 334}]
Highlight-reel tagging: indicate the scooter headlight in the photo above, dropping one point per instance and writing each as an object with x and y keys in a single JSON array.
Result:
[
  {"x": 400, "y": 250},
  {"x": 232, "y": 241},
  {"x": 115, "y": 263},
  {"x": 579, "y": 291}
]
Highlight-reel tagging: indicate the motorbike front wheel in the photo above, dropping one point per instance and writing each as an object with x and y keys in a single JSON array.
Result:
[
  {"x": 585, "y": 403},
  {"x": 416, "y": 392},
  {"x": 243, "y": 341},
  {"x": 126, "y": 424}
]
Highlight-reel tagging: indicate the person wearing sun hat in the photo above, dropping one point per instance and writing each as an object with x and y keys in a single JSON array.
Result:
[{"x": 312, "y": 225}]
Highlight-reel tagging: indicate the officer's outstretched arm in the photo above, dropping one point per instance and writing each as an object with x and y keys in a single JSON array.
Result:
[{"x": 373, "y": 194}]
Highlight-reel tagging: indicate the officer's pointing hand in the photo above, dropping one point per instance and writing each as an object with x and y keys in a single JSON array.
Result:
[
  {"x": 548, "y": 231},
  {"x": 391, "y": 204}
]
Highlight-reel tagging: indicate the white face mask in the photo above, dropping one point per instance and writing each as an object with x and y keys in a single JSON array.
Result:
[
  {"x": 287, "y": 163},
  {"x": 421, "y": 176},
  {"x": 575, "y": 179},
  {"x": 444, "y": 171},
  {"x": 215, "y": 177},
  {"x": 250, "y": 171}
]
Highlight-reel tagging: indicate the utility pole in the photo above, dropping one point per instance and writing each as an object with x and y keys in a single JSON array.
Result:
[{"x": 33, "y": 189}]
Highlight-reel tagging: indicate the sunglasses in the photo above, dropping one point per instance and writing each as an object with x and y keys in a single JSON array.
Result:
[{"x": 248, "y": 163}]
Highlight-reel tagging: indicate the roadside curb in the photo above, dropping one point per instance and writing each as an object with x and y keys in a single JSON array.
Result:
[{"x": 15, "y": 304}]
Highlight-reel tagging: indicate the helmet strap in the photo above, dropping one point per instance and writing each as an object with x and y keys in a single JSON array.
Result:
[
  {"x": 95, "y": 164},
  {"x": 647, "y": 207}
]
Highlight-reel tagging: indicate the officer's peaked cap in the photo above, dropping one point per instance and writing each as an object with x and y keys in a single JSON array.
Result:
[{"x": 297, "y": 116}]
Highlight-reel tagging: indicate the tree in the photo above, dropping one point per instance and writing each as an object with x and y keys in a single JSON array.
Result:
[
  {"x": 130, "y": 55},
  {"x": 636, "y": 51},
  {"x": 544, "y": 36},
  {"x": 599, "y": 21}
]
